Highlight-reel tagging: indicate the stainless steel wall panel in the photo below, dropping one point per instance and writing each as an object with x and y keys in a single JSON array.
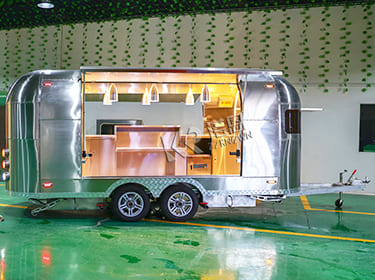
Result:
[
  {"x": 290, "y": 142},
  {"x": 261, "y": 152},
  {"x": 238, "y": 185},
  {"x": 290, "y": 163},
  {"x": 24, "y": 166},
  {"x": 60, "y": 144},
  {"x": 22, "y": 120},
  {"x": 287, "y": 93},
  {"x": 25, "y": 89},
  {"x": 61, "y": 100},
  {"x": 261, "y": 103}
]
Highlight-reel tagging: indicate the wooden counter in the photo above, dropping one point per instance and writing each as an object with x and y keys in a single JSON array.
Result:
[{"x": 149, "y": 151}]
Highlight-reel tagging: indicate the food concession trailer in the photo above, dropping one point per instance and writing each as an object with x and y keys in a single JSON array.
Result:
[{"x": 142, "y": 138}]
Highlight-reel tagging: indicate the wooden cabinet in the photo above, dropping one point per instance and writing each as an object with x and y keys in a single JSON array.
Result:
[
  {"x": 198, "y": 165},
  {"x": 223, "y": 163},
  {"x": 203, "y": 150},
  {"x": 103, "y": 156}
]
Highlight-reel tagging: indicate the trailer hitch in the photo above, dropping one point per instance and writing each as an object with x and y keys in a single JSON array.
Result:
[{"x": 340, "y": 201}]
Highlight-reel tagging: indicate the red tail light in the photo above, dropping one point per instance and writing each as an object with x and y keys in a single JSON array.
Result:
[
  {"x": 46, "y": 256},
  {"x": 5, "y": 164},
  {"x": 4, "y": 153},
  {"x": 47, "y": 185},
  {"x": 47, "y": 84}
]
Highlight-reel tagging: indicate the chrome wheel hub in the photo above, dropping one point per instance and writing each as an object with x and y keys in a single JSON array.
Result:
[
  {"x": 180, "y": 204},
  {"x": 130, "y": 204}
]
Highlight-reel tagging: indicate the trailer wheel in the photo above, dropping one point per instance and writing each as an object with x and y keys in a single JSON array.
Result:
[
  {"x": 179, "y": 203},
  {"x": 339, "y": 202},
  {"x": 130, "y": 203}
]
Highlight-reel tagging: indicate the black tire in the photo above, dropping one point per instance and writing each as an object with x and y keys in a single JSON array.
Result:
[
  {"x": 179, "y": 203},
  {"x": 130, "y": 203},
  {"x": 339, "y": 202}
]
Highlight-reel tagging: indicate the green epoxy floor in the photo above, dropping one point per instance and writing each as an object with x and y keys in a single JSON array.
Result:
[{"x": 217, "y": 244}]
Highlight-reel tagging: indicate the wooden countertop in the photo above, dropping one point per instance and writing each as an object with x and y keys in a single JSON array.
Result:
[{"x": 147, "y": 128}]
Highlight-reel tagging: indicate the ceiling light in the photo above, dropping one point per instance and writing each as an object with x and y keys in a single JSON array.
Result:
[{"x": 46, "y": 4}]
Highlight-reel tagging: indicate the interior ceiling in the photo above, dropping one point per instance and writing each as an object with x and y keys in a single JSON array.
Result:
[{"x": 25, "y": 13}]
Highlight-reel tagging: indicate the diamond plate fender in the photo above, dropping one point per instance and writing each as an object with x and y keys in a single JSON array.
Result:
[{"x": 156, "y": 185}]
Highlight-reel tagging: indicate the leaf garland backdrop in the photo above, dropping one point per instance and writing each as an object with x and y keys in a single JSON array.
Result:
[{"x": 327, "y": 47}]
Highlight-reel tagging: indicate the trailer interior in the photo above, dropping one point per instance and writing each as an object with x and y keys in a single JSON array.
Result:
[{"x": 161, "y": 123}]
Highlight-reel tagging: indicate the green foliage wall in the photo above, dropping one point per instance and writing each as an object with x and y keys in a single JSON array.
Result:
[
  {"x": 2, "y": 98},
  {"x": 324, "y": 47}
]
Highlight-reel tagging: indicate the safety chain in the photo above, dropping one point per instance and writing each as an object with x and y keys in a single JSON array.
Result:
[{"x": 45, "y": 207}]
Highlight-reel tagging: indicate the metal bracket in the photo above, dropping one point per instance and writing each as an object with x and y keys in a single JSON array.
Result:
[
  {"x": 44, "y": 207},
  {"x": 270, "y": 198}
]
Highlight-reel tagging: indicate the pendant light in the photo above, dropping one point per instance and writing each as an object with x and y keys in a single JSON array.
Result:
[
  {"x": 189, "y": 100},
  {"x": 106, "y": 98},
  {"x": 146, "y": 97},
  {"x": 113, "y": 94},
  {"x": 110, "y": 95},
  {"x": 154, "y": 93},
  {"x": 205, "y": 95}
]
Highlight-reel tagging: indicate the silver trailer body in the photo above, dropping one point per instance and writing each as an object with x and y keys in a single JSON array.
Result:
[{"x": 46, "y": 139}]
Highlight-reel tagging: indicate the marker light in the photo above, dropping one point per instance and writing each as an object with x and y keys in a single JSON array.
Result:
[
  {"x": 5, "y": 164},
  {"x": 47, "y": 185},
  {"x": 46, "y": 256},
  {"x": 5, "y": 176},
  {"x": 269, "y": 86},
  {"x": 4, "y": 153},
  {"x": 272, "y": 182},
  {"x": 47, "y": 84}
]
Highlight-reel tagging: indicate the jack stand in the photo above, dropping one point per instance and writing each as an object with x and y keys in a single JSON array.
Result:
[{"x": 339, "y": 202}]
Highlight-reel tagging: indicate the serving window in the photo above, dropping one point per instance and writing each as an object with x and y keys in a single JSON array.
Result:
[{"x": 161, "y": 124}]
